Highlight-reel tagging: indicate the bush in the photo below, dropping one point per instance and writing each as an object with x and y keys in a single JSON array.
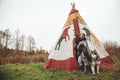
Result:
[
  {"x": 113, "y": 48},
  {"x": 24, "y": 57}
]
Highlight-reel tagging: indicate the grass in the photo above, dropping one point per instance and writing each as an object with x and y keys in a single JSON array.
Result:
[{"x": 35, "y": 71}]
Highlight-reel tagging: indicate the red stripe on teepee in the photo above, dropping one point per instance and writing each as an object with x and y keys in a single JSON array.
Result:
[
  {"x": 107, "y": 62},
  {"x": 68, "y": 64},
  {"x": 73, "y": 11},
  {"x": 76, "y": 27}
]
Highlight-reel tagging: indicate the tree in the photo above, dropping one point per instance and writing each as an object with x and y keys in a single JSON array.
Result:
[
  {"x": 7, "y": 38},
  {"x": 2, "y": 35},
  {"x": 1, "y": 42},
  {"x": 31, "y": 44},
  {"x": 22, "y": 42},
  {"x": 17, "y": 40}
]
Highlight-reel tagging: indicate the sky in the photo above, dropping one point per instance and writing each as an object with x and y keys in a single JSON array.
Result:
[{"x": 44, "y": 19}]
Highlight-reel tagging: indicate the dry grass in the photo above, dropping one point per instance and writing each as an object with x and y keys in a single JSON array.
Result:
[
  {"x": 24, "y": 57},
  {"x": 21, "y": 59},
  {"x": 113, "y": 48}
]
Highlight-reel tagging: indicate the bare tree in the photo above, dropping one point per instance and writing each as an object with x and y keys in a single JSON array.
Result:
[
  {"x": 7, "y": 38},
  {"x": 2, "y": 35},
  {"x": 22, "y": 42},
  {"x": 31, "y": 44},
  {"x": 17, "y": 39}
]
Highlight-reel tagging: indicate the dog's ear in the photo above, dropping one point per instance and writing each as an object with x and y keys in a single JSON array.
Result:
[
  {"x": 91, "y": 51},
  {"x": 95, "y": 51}
]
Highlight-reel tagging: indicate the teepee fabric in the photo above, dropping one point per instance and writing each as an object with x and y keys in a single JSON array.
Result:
[{"x": 63, "y": 54}]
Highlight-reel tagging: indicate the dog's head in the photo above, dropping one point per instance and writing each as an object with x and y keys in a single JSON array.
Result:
[
  {"x": 94, "y": 55},
  {"x": 94, "y": 52}
]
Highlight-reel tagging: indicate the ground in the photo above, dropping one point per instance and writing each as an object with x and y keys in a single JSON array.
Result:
[{"x": 35, "y": 71}]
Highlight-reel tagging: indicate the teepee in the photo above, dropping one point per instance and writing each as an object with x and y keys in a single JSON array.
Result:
[{"x": 63, "y": 55}]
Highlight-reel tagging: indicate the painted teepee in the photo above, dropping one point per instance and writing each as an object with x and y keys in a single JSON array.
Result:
[{"x": 63, "y": 54}]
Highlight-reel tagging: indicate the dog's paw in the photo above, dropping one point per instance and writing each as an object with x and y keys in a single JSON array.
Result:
[
  {"x": 98, "y": 72},
  {"x": 93, "y": 73}
]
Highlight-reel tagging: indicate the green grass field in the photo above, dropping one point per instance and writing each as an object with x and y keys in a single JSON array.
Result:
[{"x": 35, "y": 71}]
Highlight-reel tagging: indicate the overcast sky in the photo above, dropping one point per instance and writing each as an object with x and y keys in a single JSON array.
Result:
[{"x": 44, "y": 19}]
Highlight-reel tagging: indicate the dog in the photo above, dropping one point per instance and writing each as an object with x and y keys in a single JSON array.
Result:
[
  {"x": 83, "y": 62},
  {"x": 95, "y": 62},
  {"x": 83, "y": 56}
]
